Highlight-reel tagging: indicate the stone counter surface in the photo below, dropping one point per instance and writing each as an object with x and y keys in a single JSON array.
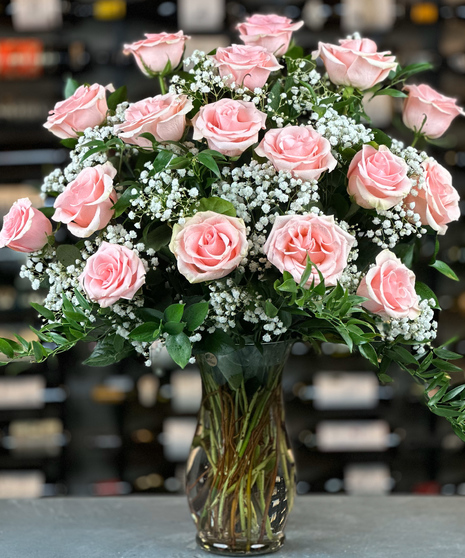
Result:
[{"x": 161, "y": 527}]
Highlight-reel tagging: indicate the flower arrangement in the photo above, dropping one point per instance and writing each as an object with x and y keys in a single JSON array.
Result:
[{"x": 250, "y": 202}]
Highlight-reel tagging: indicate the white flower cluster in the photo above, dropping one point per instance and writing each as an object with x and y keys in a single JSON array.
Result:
[
  {"x": 229, "y": 301},
  {"x": 340, "y": 130},
  {"x": 422, "y": 329},
  {"x": 166, "y": 195},
  {"x": 259, "y": 194},
  {"x": 208, "y": 81}
]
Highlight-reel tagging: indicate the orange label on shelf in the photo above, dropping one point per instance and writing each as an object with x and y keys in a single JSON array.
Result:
[
  {"x": 21, "y": 58},
  {"x": 424, "y": 13}
]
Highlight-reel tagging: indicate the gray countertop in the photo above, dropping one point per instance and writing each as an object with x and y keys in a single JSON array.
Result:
[{"x": 161, "y": 527}]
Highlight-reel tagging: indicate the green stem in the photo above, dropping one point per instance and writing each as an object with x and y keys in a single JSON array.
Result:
[{"x": 162, "y": 83}]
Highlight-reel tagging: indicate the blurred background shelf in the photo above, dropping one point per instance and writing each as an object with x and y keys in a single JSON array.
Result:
[{"x": 66, "y": 429}]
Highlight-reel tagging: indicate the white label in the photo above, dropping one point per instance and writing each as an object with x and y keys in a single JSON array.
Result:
[
  {"x": 26, "y": 392},
  {"x": 186, "y": 392},
  {"x": 367, "y": 478},
  {"x": 19, "y": 484},
  {"x": 198, "y": 16},
  {"x": 36, "y": 15},
  {"x": 368, "y": 15},
  {"x": 177, "y": 437},
  {"x": 345, "y": 390},
  {"x": 352, "y": 435}
]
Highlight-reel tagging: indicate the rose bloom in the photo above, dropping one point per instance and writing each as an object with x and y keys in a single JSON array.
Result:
[
  {"x": 272, "y": 32},
  {"x": 377, "y": 178},
  {"x": 355, "y": 62},
  {"x": 300, "y": 150},
  {"x": 439, "y": 110},
  {"x": 294, "y": 237},
  {"x": 437, "y": 202},
  {"x": 25, "y": 229},
  {"x": 86, "y": 108},
  {"x": 113, "y": 272},
  {"x": 156, "y": 49},
  {"x": 85, "y": 205},
  {"x": 249, "y": 65},
  {"x": 229, "y": 126},
  {"x": 389, "y": 287},
  {"x": 209, "y": 246},
  {"x": 163, "y": 116}
]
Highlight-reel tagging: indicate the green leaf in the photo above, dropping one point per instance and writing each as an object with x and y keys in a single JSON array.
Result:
[
  {"x": 381, "y": 138},
  {"x": 45, "y": 312},
  {"x": 75, "y": 316},
  {"x": 218, "y": 205},
  {"x": 195, "y": 315},
  {"x": 445, "y": 366},
  {"x": 6, "y": 348},
  {"x": 161, "y": 161},
  {"x": 39, "y": 351},
  {"x": 400, "y": 354},
  {"x": 145, "y": 333},
  {"x": 390, "y": 92},
  {"x": 275, "y": 95},
  {"x": 83, "y": 303},
  {"x": 218, "y": 343},
  {"x": 444, "y": 269},
  {"x": 107, "y": 352},
  {"x": 369, "y": 353},
  {"x": 70, "y": 87},
  {"x": 67, "y": 254},
  {"x": 47, "y": 211},
  {"x": 159, "y": 237},
  {"x": 270, "y": 309},
  {"x": 117, "y": 97},
  {"x": 125, "y": 199},
  {"x": 405, "y": 252},
  {"x": 208, "y": 161},
  {"x": 425, "y": 293},
  {"x": 70, "y": 143},
  {"x": 179, "y": 348},
  {"x": 449, "y": 355},
  {"x": 173, "y": 313},
  {"x": 59, "y": 339},
  {"x": 173, "y": 328},
  {"x": 288, "y": 286},
  {"x": 307, "y": 272},
  {"x": 385, "y": 378},
  {"x": 148, "y": 136}
]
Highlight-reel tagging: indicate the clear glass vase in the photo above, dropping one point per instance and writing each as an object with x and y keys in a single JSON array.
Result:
[{"x": 240, "y": 471}]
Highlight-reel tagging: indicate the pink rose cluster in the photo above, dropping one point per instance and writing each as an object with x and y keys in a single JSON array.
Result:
[
  {"x": 208, "y": 246},
  {"x": 389, "y": 287},
  {"x": 229, "y": 126},
  {"x": 112, "y": 273},
  {"x": 428, "y": 111},
  {"x": 247, "y": 65},
  {"x": 378, "y": 178},
  {"x": 355, "y": 63},
  {"x": 157, "y": 49},
  {"x": 85, "y": 205},
  {"x": 293, "y": 238},
  {"x": 86, "y": 108},
  {"x": 25, "y": 229},
  {"x": 163, "y": 116},
  {"x": 300, "y": 150},
  {"x": 272, "y": 32}
]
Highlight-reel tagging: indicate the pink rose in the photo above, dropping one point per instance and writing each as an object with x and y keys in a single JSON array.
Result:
[
  {"x": 163, "y": 116},
  {"x": 86, "y": 108},
  {"x": 300, "y": 150},
  {"x": 86, "y": 203},
  {"x": 294, "y": 237},
  {"x": 25, "y": 229},
  {"x": 209, "y": 246},
  {"x": 113, "y": 272},
  {"x": 378, "y": 178},
  {"x": 229, "y": 127},
  {"x": 272, "y": 32},
  {"x": 390, "y": 288},
  {"x": 437, "y": 202},
  {"x": 156, "y": 49},
  {"x": 249, "y": 65},
  {"x": 355, "y": 62},
  {"x": 439, "y": 110}
]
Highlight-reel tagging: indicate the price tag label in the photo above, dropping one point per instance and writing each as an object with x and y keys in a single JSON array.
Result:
[
  {"x": 26, "y": 392},
  {"x": 345, "y": 390},
  {"x": 36, "y": 15},
  {"x": 352, "y": 435},
  {"x": 199, "y": 16}
]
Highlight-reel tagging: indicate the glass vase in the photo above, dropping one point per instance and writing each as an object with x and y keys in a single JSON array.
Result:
[{"x": 240, "y": 471}]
